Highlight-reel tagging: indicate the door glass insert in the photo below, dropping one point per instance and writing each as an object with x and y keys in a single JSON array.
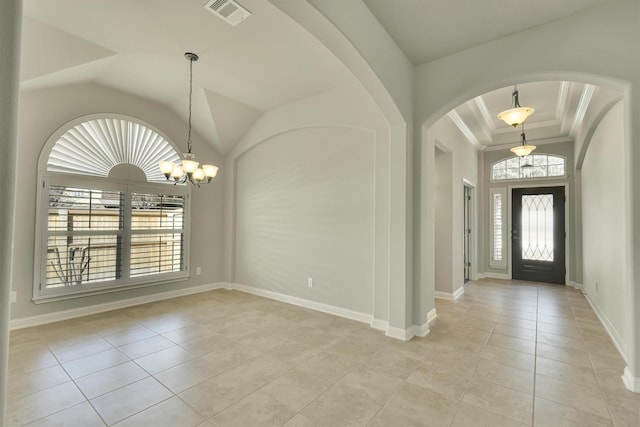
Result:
[{"x": 537, "y": 227}]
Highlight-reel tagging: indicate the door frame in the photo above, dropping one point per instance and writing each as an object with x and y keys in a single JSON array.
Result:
[
  {"x": 473, "y": 224},
  {"x": 567, "y": 228}
]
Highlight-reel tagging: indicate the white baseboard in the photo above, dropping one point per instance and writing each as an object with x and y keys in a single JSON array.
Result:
[
  {"x": 431, "y": 316},
  {"x": 26, "y": 322},
  {"x": 450, "y": 296},
  {"x": 383, "y": 325},
  {"x": 608, "y": 326},
  {"x": 379, "y": 324},
  {"x": 489, "y": 275},
  {"x": 400, "y": 334},
  {"x": 301, "y": 302},
  {"x": 442, "y": 295},
  {"x": 630, "y": 382},
  {"x": 420, "y": 330},
  {"x": 574, "y": 285}
]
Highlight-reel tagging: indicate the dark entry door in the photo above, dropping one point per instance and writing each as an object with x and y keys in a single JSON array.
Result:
[{"x": 538, "y": 234}]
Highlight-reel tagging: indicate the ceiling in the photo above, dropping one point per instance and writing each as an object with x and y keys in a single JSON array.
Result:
[
  {"x": 268, "y": 60},
  {"x": 560, "y": 108},
  {"x": 430, "y": 29},
  {"x": 137, "y": 47}
]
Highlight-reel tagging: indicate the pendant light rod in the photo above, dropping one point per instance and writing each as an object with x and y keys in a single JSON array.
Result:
[
  {"x": 189, "y": 170},
  {"x": 514, "y": 95},
  {"x": 191, "y": 57},
  {"x": 523, "y": 149}
]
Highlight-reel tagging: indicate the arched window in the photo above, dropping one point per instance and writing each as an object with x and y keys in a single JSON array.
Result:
[
  {"x": 108, "y": 219},
  {"x": 532, "y": 166}
]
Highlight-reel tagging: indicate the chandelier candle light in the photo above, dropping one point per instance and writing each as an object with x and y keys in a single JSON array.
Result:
[{"x": 189, "y": 170}]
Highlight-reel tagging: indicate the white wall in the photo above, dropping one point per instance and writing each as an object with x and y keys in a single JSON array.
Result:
[
  {"x": 456, "y": 163},
  {"x": 305, "y": 209},
  {"x": 44, "y": 111},
  {"x": 444, "y": 227},
  {"x": 603, "y": 221},
  {"x": 10, "y": 30},
  {"x": 352, "y": 33},
  {"x": 347, "y": 110}
]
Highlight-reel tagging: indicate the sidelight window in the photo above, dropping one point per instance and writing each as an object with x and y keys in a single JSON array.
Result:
[{"x": 498, "y": 227}]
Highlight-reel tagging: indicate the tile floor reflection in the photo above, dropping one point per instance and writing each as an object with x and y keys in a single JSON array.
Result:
[{"x": 504, "y": 354}]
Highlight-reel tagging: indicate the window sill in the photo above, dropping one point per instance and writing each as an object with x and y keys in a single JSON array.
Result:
[{"x": 42, "y": 299}]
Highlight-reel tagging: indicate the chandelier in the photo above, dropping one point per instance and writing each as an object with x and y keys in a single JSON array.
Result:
[
  {"x": 523, "y": 149},
  {"x": 188, "y": 170},
  {"x": 516, "y": 115}
]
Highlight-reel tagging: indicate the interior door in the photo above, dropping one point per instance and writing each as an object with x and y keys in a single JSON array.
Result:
[
  {"x": 467, "y": 233},
  {"x": 538, "y": 234}
]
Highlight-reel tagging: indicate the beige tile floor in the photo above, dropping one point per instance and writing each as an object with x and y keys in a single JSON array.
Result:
[{"x": 505, "y": 354}]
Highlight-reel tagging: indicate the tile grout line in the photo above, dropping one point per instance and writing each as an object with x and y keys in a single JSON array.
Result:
[
  {"x": 595, "y": 374},
  {"x": 73, "y": 380},
  {"x": 476, "y": 368},
  {"x": 535, "y": 359},
  {"x": 474, "y": 371},
  {"x": 541, "y": 296}
]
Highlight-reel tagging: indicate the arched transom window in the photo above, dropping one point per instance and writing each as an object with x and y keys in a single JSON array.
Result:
[
  {"x": 94, "y": 147},
  {"x": 532, "y": 166},
  {"x": 107, "y": 218}
]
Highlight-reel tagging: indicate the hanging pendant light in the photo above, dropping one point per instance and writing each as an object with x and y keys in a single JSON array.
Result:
[
  {"x": 516, "y": 115},
  {"x": 523, "y": 149},
  {"x": 188, "y": 170}
]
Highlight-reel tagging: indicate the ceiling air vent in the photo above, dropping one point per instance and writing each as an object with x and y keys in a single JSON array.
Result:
[{"x": 229, "y": 10}]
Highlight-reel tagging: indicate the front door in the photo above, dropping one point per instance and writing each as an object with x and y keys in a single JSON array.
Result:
[{"x": 538, "y": 234}]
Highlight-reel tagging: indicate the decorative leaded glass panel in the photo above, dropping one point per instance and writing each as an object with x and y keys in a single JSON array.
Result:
[
  {"x": 532, "y": 166},
  {"x": 537, "y": 227}
]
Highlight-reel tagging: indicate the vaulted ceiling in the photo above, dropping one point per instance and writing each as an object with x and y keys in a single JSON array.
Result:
[
  {"x": 268, "y": 60},
  {"x": 137, "y": 47}
]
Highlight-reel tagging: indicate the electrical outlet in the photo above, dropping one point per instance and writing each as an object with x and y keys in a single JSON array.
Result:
[
  {"x": 13, "y": 296},
  {"x": 198, "y": 271},
  {"x": 310, "y": 282}
]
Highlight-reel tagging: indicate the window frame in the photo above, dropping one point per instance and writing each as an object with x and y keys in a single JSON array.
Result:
[
  {"x": 502, "y": 192},
  {"x": 525, "y": 178},
  {"x": 42, "y": 294},
  {"x": 145, "y": 145}
]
